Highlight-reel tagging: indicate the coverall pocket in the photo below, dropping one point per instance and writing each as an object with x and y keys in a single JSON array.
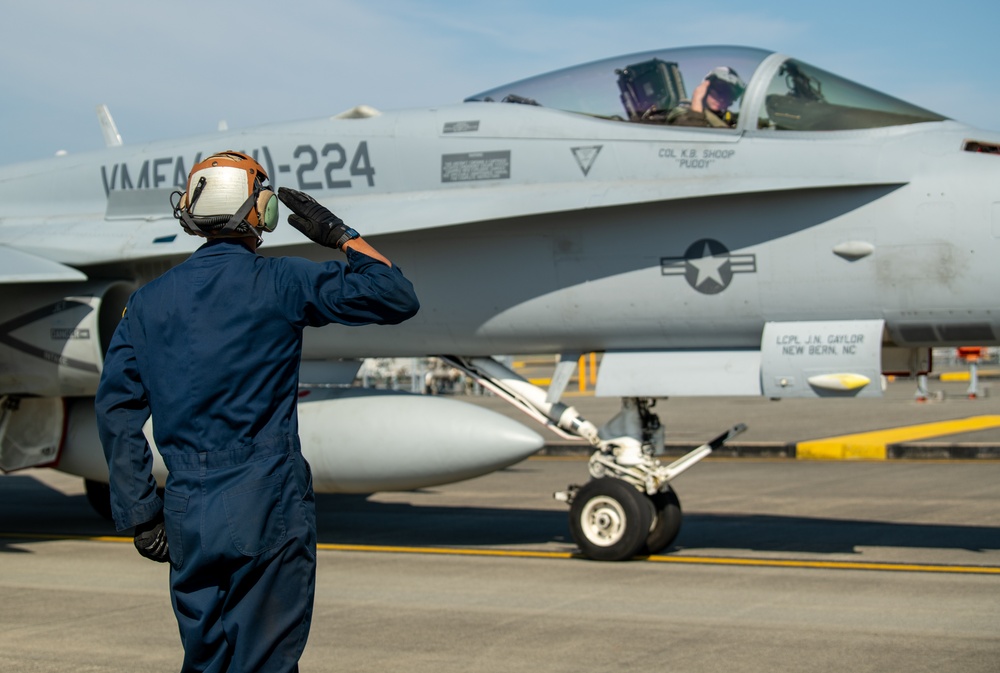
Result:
[
  {"x": 307, "y": 490},
  {"x": 255, "y": 516},
  {"x": 174, "y": 507}
]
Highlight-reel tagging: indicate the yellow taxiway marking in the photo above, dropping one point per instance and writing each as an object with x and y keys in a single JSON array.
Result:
[
  {"x": 701, "y": 560},
  {"x": 444, "y": 551},
  {"x": 830, "y": 565},
  {"x": 966, "y": 376},
  {"x": 874, "y": 445},
  {"x": 55, "y": 538},
  {"x": 513, "y": 553}
]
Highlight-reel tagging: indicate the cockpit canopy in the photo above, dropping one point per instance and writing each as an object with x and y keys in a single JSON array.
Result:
[{"x": 657, "y": 86}]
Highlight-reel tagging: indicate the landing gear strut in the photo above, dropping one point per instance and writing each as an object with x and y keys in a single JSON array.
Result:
[{"x": 628, "y": 509}]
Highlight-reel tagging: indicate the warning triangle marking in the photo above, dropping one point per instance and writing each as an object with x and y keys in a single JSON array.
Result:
[{"x": 585, "y": 157}]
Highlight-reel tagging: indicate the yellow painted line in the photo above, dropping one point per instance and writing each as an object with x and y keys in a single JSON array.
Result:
[
  {"x": 829, "y": 565},
  {"x": 444, "y": 551},
  {"x": 50, "y": 537},
  {"x": 700, "y": 560},
  {"x": 965, "y": 375},
  {"x": 874, "y": 445},
  {"x": 513, "y": 553}
]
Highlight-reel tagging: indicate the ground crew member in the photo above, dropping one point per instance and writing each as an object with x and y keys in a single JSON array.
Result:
[{"x": 212, "y": 350}]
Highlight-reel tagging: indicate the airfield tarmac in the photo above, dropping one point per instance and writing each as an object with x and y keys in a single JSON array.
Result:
[{"x": 781, "y": 565}]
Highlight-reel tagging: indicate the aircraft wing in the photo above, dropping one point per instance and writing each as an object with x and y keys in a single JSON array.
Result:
[{"x": 22, "y": 267}]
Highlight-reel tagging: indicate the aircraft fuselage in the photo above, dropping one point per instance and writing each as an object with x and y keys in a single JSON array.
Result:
[{"x": 546, "y": 231}]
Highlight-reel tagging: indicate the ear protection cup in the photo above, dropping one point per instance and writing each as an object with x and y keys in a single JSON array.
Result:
[{"x": 267, "y": 209}]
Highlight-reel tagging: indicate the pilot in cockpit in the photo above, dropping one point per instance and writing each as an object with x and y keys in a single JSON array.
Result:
[{"x": 710, "y": 101}]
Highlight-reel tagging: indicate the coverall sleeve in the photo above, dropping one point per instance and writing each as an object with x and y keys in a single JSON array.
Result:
[
  {"x": 122, "y": 408},
  {"x": 363, "y": 292}
]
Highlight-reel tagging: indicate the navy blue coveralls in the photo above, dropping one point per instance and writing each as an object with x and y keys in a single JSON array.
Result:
[{"x": 211, "y": 349}]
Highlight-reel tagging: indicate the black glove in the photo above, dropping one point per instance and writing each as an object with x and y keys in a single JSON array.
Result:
[
  {"x": 151, "y": 540},
  {"x": 315, "y": 221}
]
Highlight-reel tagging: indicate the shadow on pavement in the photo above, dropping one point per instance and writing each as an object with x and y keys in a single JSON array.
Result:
[
  {"x": 31, "y": 508},
  {"x": 354, "y": 520}
]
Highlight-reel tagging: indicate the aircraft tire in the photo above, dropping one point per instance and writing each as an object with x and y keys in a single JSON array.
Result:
[
  {"x": 99, "y": 497},
  {"x": 666, "y": 522},
  {"x": 610, "y": 519}
]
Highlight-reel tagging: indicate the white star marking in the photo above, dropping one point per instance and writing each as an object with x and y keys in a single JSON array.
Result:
[{"x": 708, "y": 267}]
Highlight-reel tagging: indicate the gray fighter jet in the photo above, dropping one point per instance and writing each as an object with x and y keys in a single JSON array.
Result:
[{"x": 715, "y": 220}]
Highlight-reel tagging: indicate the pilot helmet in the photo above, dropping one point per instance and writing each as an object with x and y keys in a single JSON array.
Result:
[
  {"x": 227, "y": 196},
  {"x": 727, "y": 75}
]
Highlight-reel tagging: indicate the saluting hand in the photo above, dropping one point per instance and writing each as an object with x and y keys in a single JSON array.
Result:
[{"x": 314, "y": 220}]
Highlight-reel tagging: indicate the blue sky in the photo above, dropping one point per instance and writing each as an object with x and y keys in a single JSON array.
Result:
[{"x": 171, "y": 69}]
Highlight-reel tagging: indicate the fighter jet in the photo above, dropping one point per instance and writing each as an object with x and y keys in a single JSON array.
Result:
[{"x": 714, "y": 220}]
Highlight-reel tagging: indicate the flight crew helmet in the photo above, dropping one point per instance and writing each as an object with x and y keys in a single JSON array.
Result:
[
  {"x": 227, "y": 196},
  {"x": 726, "y": 79}
]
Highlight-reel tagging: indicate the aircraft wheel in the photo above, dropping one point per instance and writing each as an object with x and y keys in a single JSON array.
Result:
[
  {"x": 610, "y": 519},
  {"x": 99, "y": 497},
  {"x": 666, "y": 521}
]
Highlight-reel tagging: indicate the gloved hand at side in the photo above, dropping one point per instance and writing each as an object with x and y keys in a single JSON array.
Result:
[
  {"x": 315, "y": 221},
  {"x": 151, "y": 540}
]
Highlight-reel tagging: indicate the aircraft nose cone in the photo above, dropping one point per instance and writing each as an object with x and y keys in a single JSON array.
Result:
[{"x": 362, "y": 441}]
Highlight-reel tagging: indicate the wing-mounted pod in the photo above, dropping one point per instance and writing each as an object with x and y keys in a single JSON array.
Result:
[{"x": 53, "y": 336}]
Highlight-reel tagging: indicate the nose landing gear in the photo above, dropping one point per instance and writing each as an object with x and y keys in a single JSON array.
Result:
[{"x": 628, "y": 508}]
